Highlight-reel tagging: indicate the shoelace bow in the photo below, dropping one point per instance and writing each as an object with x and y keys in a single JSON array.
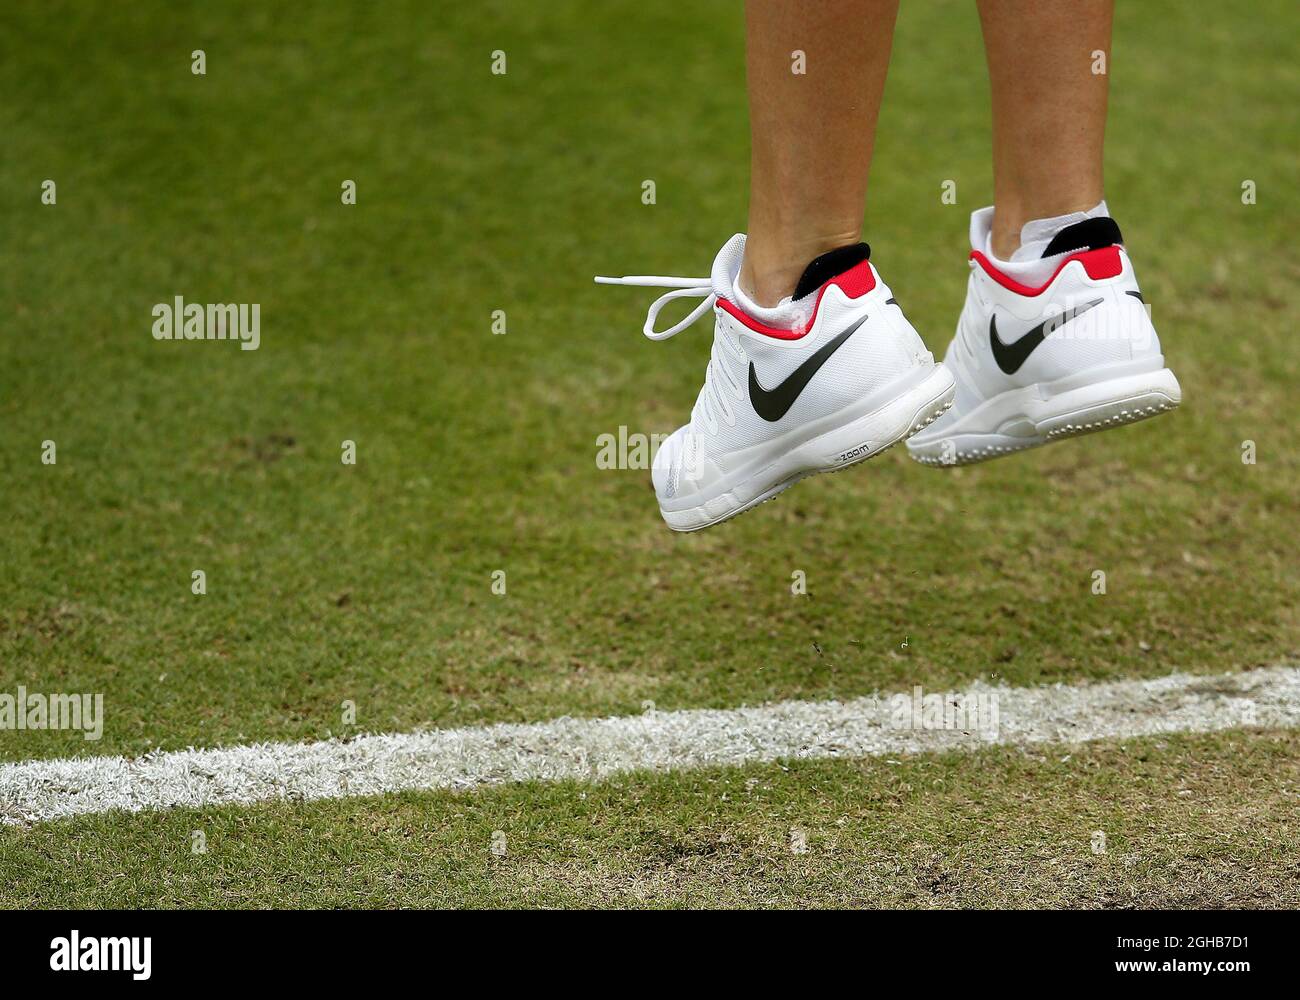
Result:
[{"x": 686, "y": 288}]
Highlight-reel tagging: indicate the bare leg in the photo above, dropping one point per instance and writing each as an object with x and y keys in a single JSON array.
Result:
[
  {"x": 812, "y": 133},
  {"x": 1049, "y": 108}
]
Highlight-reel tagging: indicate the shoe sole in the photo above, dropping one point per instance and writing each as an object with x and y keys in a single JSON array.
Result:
[
  {"x": 1047, "y": 412},
  {"x": 856, "y": 440}
]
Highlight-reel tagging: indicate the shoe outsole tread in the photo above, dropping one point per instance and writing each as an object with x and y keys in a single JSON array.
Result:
[{"x": 1130, "y": 415}]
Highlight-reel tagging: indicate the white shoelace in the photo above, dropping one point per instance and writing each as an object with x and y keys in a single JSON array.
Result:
[
  {"x": 713, "y": 398},
  {"x": 686, "y": 288}
]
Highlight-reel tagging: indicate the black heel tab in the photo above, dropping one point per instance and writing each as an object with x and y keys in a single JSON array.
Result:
[
  {"x": 830, "y": 265},
  {"x": 1090, "y": 234}
]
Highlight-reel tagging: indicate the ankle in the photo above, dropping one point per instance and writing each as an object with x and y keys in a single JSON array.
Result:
[
  {"x": 768, "y": 286},
  {"x": 1009, "y": 220},
  {"x": 1004, "y": 236},
  {"x": 1004, "y": 241},
  {"x": 770, "y": 272}
]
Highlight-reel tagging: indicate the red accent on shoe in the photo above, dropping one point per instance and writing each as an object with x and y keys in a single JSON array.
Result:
[
  {"x": 855, "y": 283},
  {"x": 1102, "y": 263},
  {"x": 756, "y": 326}
]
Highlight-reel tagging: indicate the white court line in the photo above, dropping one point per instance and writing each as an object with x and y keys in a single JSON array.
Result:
[{"x": 587, "y": 749}]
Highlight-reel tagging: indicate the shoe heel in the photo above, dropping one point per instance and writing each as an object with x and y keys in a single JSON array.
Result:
[
  {"x": 896, "y": 421},
  {"x": 1110, "y": 404}
]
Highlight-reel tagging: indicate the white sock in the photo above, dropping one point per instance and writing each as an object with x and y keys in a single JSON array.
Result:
[
  {"x": 785, "y": 315},
  {"x": 1027, "y": 265}
]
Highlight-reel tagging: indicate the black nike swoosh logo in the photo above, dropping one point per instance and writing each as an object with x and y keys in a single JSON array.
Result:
[
  {"x": 773, "y": 404},
  {"x": 1011, "y": 356}
]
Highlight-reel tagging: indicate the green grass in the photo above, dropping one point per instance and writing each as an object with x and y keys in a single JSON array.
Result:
[
  {"x": 371, "y": 583},
  {"x": 1206, "y": 821}
]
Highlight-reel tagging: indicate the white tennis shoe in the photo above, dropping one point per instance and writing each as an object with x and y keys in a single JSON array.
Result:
[
  {"x": 850, "y": 378},
  {"x": 1072, "y": 354}
]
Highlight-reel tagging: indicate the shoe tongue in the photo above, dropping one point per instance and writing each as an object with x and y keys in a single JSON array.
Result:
[
  {"x": 1090, "y": 234},
  {"x": 726, "y": 266},
  {"x": 830, "y": 265}
]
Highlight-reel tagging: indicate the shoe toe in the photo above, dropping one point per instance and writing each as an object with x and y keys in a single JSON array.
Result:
[{"x": 665, "y": 470}]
